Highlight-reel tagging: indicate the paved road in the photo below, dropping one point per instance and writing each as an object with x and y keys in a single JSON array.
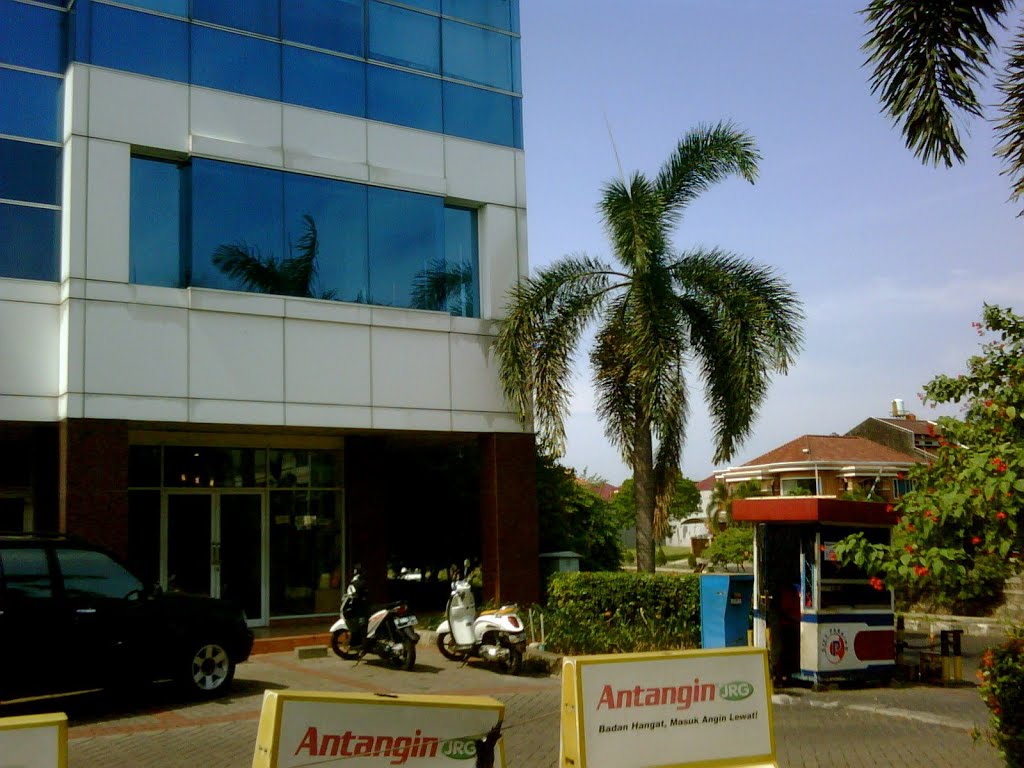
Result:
[{"x": 912, "y": 726}]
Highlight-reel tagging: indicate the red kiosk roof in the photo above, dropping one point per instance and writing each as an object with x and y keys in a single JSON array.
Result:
[{"x": 811, "y": 509}]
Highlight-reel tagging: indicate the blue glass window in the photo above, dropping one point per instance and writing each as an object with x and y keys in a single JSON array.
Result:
[
  {"x": 31, "y": 36},
  {"x": 29, "y": 242},
  {"x": 405, "y": 37},
  {"x": 336, "y": 25},
  {"x": 29, "y": 172},
  {"x": 117, "y": 42},
  {"x": 155, "y": 236},
  {"x": 461, "y": 284},
  {"x": 30, "y": 105},
  {"x": 236, "y": 211},
  {"x": 517, "y": 67},
  {"x": 173, "y": 7},
  {"x": 403, "y": 98},
  {"x": 236, "y": 63},
  {"x": 493, "y": 13},
  {"x": 477, "y": 55},
  {"x": 427, "y": 5},
  {"x": 323, "y": 81},
  {"x": 260, "y": 16},
  {"x": 517, "y": 123},
  {"x": 336, "y": 211},
  {"x": 406, "y": 244},
  {"x": 473, "y": 113}
]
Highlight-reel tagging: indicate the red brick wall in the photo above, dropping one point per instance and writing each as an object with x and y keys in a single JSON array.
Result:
[
  {"x": 508, "y": 518},
  {"x": 93, "y": 483}
]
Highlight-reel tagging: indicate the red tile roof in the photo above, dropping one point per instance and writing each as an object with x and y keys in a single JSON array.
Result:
[
  {"x": 707, "y": 484},
  {"x": 832, "y": 448}
]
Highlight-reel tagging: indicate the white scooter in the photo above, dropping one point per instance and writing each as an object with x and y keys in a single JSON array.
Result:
[{"x": 496, "y": 635}]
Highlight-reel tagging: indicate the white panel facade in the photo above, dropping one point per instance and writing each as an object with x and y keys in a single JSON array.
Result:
[
  {"x": 29, "y": 339},
  {"x": 475, "y": 385},
  {"x": 499, "y": 264},
  {"x": 481, "y": 172},
  {"x": 326, "y": 363},
  {"x": 325, "y": 144},
  {"x": 136, "y": 349},
  {"x": 235, "y": 127},
  {"x": 402, "y": 157},
  {"x": 107, "y": 211},
  {"x": 410, "y": 369},
  {"x": 73, "y": 207},
  {"x": 236, "y": 357},
  {"x": 136, "y": 109}
]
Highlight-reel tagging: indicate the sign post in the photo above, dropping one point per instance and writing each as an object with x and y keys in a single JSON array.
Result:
[
  {"x": 356, "y": 730},
  {"x": 34, "y": 741},
  {"x": 667, "y": 710}
]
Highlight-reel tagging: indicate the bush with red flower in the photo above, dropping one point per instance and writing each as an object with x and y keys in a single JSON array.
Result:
[
  {"x": 961, "y": 530},
  {"x": 1001, "y": 675}
]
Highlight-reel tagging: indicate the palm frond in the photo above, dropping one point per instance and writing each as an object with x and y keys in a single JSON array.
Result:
[
  {"x": 670, "y": 432},
  {"x": 632, "y": 213},
  {"x": 1011, "y": 126},
  {"x": 546, "y": 317},
  {"x": 744, "y": 324},
  {"x": 247, "y": 265},
  {"x": 706, "y": 155},
  {"x": 300, "y": 269},
  {"x": 928, "y": 57},
  {"x": 440, "y": 284}
]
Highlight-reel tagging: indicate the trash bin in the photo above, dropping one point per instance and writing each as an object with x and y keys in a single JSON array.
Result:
[{"x": 725, "y": 603}]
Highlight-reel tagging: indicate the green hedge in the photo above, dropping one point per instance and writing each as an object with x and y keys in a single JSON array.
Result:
[{"x": 617, "y": 612}]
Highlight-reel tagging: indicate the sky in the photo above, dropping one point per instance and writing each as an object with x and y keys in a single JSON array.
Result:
[{"x": 892, "y": 259}]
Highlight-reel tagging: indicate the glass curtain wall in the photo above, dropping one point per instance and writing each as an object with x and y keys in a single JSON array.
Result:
[{"x": 304, "y": 493}]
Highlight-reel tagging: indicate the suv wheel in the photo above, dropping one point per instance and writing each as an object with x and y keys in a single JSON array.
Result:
[{"x": 209, "y": 671}]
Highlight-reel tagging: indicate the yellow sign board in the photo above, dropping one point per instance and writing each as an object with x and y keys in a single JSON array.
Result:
[
  {"x": 34, "y": 741},
  {"x": 668, "y": 710},
  {"x": 355, "y": 730}
]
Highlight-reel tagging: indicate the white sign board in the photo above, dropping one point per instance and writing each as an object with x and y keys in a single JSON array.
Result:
[
  {"x": 685, "y": 708},
  {"x": 356, "y": 730},
  {"x": 34, "y": 741}
]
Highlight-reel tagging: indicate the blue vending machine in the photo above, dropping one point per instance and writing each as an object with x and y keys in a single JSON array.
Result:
[{"x": 726, "y": 600}]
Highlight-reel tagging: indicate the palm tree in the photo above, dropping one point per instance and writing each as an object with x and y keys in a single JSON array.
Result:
[
  {"x": 656, "y": 313},
  {"x": 929, "y": 57},
  {"x": 444, "y": 286},
  {"x": 288, "y": 276}
]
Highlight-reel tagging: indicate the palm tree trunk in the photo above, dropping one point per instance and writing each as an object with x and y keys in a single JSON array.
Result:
[{"x": 643, "y": 490}]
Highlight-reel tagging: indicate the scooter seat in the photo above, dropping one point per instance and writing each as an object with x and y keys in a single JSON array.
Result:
[{"x": 503, "y": 611}]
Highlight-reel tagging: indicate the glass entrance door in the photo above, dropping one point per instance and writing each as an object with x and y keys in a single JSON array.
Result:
[{"x": 213, "y": 544}]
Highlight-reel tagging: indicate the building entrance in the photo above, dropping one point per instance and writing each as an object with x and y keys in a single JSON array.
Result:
[{"x": 214, "y": 543}]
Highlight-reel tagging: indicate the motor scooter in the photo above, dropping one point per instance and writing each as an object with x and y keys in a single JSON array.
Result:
[
  {"x": 495, "y": 635},
  {"x": 388, "y": 632}
]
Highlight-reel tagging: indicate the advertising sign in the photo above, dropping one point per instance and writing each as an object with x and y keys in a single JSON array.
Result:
[
  {"x": 356, "y": 730},
  {"x": 661, "y": 710},
  {"x": 34, "y": 741}
]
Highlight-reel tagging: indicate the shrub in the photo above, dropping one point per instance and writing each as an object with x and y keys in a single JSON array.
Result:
[
  {"x": 621, "y": 612},
  {"x": 1002, "y": 688},
  {"x": 733, "y": 545}
]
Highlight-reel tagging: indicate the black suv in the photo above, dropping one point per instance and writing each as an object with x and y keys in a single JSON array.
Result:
[{"x": 72, "y": 617}]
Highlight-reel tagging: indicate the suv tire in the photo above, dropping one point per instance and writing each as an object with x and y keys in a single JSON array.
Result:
[{"x": 208, "y": 671}]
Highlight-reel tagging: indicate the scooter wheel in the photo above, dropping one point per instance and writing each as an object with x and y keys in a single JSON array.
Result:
[
  {"x": 341, "y": 644},
  {"x": 514, "y": 662},
  {"x": 446, "y": 645}
]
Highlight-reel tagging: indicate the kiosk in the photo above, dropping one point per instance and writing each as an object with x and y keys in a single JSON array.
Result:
[{"x": 820, "y": 621}]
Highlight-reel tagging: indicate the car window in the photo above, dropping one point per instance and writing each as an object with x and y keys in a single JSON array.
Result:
[
  {"x": 26, "y": 573},
  {"x": 89, "y": 574}
]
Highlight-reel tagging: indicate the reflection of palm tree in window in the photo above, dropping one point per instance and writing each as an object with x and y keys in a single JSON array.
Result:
[
  {"x": 443, "y": 286},
  {"x": 294, "y": 275}
]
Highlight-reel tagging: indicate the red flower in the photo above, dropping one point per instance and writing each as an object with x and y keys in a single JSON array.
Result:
[
  {"x": 929, "y": 514},
  {"x": 909, "y": 547},
  {"x": 988, "y": 403},
  {"x": 911, "y": 528},
  {"x": 999, "y": 465},
  {"x": 901, "y": 475},
  {"x": 832, "y": 556},
  {"x": 976, "y": 540},
  {"x": 877, "y": 583},
  {"x": 1000, "y": 515},
  {"x": 920, "y": 570},
  {"x": 889, "y": 508},
  {"x": 822, "y": 547}
]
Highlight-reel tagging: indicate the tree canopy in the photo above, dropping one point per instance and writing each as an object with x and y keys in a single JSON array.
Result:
[
  {"x": 959, "y": 530},
  {"x": 659, "y": 315},
  {"x": 930, "y": 57}
]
